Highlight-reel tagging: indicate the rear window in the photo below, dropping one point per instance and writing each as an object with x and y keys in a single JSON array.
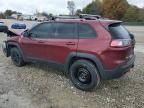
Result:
[{"x": 118, "y": 32}]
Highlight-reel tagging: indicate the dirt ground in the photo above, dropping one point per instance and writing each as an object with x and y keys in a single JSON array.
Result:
[{"x": 40, "y": 86}]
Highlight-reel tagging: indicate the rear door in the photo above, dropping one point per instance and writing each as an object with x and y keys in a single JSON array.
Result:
[{"x": 63, "y": 42}]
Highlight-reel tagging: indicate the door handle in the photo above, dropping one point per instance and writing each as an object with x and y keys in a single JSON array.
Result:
[{"x": 70, "y": 43}]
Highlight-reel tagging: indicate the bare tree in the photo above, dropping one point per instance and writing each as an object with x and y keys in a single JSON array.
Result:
[{"x": 71, "y": 7}]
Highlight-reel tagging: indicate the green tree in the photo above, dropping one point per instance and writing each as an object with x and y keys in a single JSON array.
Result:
[
  {"x": 79, "y": 11},
  {"x": 45, "y": 14},
  {"x": 10, "y": 12},
  {"x": 95, "y": 7},
  {"x": 71, "y": 7},
  {"x": 114, "y": 9},
  {"x": 2, "y": 15},
  {"x": 141, "y": 15},
  {"x": 132, "y": 14}
]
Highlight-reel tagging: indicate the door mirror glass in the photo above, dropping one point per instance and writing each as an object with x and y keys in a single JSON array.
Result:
[
  {"x": 132, "y": 36},
  {"x": 26, "y": 33}
]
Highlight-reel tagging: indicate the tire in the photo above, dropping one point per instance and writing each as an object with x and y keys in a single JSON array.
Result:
[
  {"x": 16, "y": 57},
  {"x": 84, "y": 75}
]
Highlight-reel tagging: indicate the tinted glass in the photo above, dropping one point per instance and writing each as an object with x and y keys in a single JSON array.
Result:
[
  {"x": 44, "y": 30},
  {"x": 86, "y": 31},
  {"x": 118, "y": 32},
  {"x": 65, "y": 30}
]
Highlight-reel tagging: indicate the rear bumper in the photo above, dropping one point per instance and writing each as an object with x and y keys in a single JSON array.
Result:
[{"x": 120, "y": 70}]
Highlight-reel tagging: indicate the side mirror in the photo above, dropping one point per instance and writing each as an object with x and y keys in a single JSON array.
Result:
[
  {"x": 26, "y": 33},
  {"x": 3, "y": 28},
  {"x": 132, "y": 36}
]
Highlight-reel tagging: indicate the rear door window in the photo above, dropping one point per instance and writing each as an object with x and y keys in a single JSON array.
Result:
[
  {"x": 118, "y": 32},
  {"x": 86, "y": 31},
  {"x": 65, "y": 30}
]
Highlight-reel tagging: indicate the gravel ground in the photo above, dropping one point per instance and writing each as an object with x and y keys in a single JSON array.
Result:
[{"x": 40, "y": 86}]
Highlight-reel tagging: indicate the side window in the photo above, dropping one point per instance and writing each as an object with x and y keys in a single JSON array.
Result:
[
  {"x": 44, "y": 30},
  {"x": 86, "y": 31},
  {"x": 65, "y": 30}
]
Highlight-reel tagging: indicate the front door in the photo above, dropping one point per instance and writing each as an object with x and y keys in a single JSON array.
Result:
[{"x": 35, "y": 46}]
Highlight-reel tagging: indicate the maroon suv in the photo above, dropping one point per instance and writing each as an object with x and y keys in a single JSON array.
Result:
[{"x": 88, "y": 49}]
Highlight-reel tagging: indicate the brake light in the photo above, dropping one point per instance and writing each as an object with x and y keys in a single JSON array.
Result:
[{"x": 120, "y": 43}]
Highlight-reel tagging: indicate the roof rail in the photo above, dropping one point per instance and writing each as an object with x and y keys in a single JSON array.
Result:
[
  {"x": 90, "y": 16},
  {"x": 63, "y": 17},
  {"x": 81, "y": 16}
]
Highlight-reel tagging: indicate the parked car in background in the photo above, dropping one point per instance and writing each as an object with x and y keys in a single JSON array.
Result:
[
  {"x": 3, "y": 27},
  {"x": 18, "y": 26},
  {"x": 1, "y": 22},
  {"x": 88, "y": 48}
]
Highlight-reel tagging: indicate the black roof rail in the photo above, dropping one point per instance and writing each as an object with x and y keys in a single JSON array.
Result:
[
  {"x": 90, "y": 16},
  {"x": 63, "y": 17},
  {"x": 81, "y": 16}
]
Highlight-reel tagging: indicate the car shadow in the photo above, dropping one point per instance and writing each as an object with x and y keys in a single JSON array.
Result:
[{"x": 48, "y": 68}]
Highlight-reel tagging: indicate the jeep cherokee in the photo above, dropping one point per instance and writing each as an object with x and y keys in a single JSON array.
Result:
[{"x": 88, "y": 49}]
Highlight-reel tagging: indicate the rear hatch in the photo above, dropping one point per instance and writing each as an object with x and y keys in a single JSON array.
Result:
[
  {"x": 122, "y": 38},
  {"x": 122, "y": 42},
  {"x": 119, "y": 32}
]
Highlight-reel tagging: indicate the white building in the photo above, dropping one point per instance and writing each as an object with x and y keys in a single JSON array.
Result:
[{"x": 16, "y": 16}]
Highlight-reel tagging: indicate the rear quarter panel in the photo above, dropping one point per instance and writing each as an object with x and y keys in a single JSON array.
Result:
[{"x": 97, "y": 46}]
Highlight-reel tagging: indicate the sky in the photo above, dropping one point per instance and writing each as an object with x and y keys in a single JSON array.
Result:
[{"x": 50, "y": 6}]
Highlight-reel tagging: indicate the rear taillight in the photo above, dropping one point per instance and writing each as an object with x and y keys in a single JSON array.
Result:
[{"x": 120, "y": 42}]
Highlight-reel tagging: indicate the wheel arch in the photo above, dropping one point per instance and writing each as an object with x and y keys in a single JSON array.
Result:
[
  {"x": 12, "y": 45},
  {"x": 92, "y": 58}
]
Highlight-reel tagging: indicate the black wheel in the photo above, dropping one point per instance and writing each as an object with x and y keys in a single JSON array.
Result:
[
  {"x": 16, "y": 57},
  {"x": 84, "y": 75}
]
